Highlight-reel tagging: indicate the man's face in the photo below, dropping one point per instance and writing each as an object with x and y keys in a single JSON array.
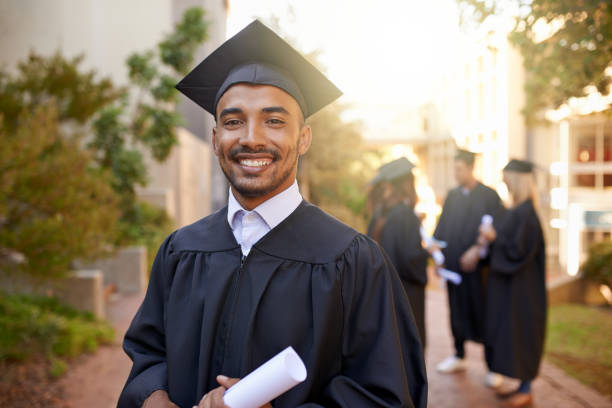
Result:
[
  {"x": 258, "y": 138},
  {"x": 463, "y": 172}
]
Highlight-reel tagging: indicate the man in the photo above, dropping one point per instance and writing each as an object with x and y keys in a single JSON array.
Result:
[
  {"x": 270, "y": 270},
  {"x": 458, "y": 227}
]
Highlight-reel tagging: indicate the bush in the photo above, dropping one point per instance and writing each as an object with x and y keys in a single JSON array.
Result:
[
  {"x": 598, "y": 266},
  {"x": 39, "y": 325}
]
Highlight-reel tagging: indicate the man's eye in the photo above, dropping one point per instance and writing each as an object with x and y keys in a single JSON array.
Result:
[
  {"x": 275, "y": 121},
  {"x": 232, "y": 123}
]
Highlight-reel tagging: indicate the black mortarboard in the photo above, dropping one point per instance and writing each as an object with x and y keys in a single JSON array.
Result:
[
  {"x": 465, "y": 156},
  {"x": 394, "y": 169},
  {"x": 519, "y": 166},
  {"x": 256, "y": 55}
]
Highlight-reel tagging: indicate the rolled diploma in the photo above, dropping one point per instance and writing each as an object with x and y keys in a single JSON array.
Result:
[
  {"x": 486, "y": 221},
  {"x": 273, "y": 378},
  {"x": 451, "y": 276}
]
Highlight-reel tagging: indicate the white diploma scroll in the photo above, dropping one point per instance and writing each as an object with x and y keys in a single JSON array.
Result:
[
  {"x": 273, "y": 378},
  {"x": 450, "y": 276},
  {"x": 486, "y": 222}
]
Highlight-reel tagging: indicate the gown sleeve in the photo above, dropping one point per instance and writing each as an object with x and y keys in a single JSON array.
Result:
[
  {"x": 517, "y": 241},
  {"x": 412, "y": 256},
  {"x": 144, "y": 341},
  {"x": 441, "y": 227},
  {"x": 382, "y": 361}
]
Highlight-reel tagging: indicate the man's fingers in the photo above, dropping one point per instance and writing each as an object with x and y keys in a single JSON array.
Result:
[{"x": 226, "y": 381}]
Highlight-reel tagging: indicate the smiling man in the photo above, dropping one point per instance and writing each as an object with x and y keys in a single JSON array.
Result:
[{"x": 270, "y": 270}]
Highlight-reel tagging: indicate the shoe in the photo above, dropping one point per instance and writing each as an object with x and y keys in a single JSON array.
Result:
[
  {"x": 451, "y": 364},
  {"x": 493, "y": 380},
  {"x": 519, "y": 399}
]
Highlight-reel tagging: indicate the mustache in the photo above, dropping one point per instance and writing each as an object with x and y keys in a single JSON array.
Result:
[{"x": 245, "y": 149}]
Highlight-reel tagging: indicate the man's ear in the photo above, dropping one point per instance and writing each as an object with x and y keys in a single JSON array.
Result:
[
  {"x": 305, "y": 139},
  {"x": 214, "y": 141}
]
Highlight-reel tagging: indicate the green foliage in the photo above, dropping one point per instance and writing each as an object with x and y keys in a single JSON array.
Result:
[
  {"x": 578, "y": 341},
  {"x": 598, "y": 266},
  {"x": 333, "y": 168},
  {"x": 77, "y": 95},
  {"x": 564, "y": 64},
  {"x": 54, "y": 206},
  {"x": 69, "y": 178},
  {"x": 37, "y": 325},
  {"x": 178, "y": 48}
]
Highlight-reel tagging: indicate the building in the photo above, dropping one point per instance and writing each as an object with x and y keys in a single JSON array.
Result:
[{"x": 107, "y": 32}]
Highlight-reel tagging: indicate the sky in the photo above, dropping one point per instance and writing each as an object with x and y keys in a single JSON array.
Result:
[{"x": 387, "y": 56}]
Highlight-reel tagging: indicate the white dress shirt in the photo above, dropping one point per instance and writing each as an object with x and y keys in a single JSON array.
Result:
[{"x": 250, "y": 226}]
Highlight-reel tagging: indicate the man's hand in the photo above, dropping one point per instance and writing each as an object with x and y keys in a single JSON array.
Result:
[
  {"x": 214, "y": 398},
  {"x": 488, "y": 232},
  {"x": 433, "y": 248},
  {"x": 159, "y": 399},
  {"x": 469, "y": 259}
]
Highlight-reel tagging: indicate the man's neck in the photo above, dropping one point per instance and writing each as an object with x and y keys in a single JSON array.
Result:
[{"x": 470, "y": 184}]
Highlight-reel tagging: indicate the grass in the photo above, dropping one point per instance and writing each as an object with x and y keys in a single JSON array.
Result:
[
  {"x": 579, "y": 341},
  {"x": 37, "y": 325}
]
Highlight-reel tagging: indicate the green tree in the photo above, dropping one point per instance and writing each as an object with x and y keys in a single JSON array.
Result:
[
  {"x": 562, "y": 65},
  {"x": 110, "y": 125},
  {"x": 54, "y": 206}
]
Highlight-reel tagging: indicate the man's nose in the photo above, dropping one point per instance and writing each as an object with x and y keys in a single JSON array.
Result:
[{"x": 254, "y": 136}]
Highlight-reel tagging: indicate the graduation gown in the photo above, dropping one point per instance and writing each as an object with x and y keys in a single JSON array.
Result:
[
  {"x": 458, "y": 226},
  {"x": 312, "y": 283},
  {"x": 516, "y": 305},
  {"x": 400, "y": 237}
]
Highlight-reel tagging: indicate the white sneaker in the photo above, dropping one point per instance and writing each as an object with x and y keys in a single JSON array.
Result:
[
  {"x": 493, "y": 380},
  {"x": 451, "y": 364}
]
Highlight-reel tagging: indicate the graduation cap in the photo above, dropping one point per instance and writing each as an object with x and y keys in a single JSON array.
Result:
[
  {"x": 256, "y": 55},
  {"x": 394, "y": 169},
  {"x": 465, "y": 156},
  {"x": 519, "y": 166}
]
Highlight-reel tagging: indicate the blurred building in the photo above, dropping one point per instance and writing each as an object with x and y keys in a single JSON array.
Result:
[
  {"x": 189, "y": 184},
  {"x": 479, "y": 109}
]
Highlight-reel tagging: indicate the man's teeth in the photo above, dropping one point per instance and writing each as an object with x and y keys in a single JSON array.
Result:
[{"x": 254, "y": 163}]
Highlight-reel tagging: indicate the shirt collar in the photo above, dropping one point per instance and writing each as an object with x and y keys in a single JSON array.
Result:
[{"x": 273, "y": 211}]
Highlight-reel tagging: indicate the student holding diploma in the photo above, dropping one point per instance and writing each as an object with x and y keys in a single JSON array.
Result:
[
  {"x": 270, "y": 270},
  {"x": 458, "y": 225},
  {"x": 516, "y": 305}
]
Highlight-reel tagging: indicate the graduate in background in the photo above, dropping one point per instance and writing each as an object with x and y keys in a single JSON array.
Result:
[
  {"x": 396, "y": 229},
  {"x": 270, "y": 270},
  {"x": 516, "y": 303},
  {"x": 458, "y": 227}
]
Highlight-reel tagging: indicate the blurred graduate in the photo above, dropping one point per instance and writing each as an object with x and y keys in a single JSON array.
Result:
[
  {"x": 396, "y": 228},
  {"x": 516, "y": 305},
  {"x": 458, "y": 226}
]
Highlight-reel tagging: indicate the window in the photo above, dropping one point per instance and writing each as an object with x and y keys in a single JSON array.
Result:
[{"x": 591, "y": 153}]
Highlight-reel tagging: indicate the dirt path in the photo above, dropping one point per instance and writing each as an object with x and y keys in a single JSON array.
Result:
[{"x": 95, "y": 381}]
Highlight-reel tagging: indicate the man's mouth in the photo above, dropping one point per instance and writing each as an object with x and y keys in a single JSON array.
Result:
[{"x": 256, "y": 163}]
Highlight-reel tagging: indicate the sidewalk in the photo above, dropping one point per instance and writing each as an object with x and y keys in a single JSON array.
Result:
[
  {"x": 552, "y": 388},
  {"x": 96, "y": 380}
]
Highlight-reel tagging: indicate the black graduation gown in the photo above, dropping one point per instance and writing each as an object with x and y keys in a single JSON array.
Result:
[
  {"x": 516, "y": 305},
  {"x": 458, "y": 226},
  {"x": 312, "y": 283},
  {"x": 400, "y": 237}
]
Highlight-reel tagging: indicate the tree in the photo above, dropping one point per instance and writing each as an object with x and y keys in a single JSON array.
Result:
[
  {"x": 110, "y": 125},
  {"x": 574, "y": 55},
  {"x": 54, "y": 206}
]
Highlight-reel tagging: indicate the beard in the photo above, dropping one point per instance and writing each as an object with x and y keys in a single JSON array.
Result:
[{"x": 254, "y": 185}]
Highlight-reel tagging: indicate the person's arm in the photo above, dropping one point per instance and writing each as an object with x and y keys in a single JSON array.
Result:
[
  {"x": 516, "y": 242},
  {"x": 382, "y": 358},
  {"x": 145, "y": 342}
]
